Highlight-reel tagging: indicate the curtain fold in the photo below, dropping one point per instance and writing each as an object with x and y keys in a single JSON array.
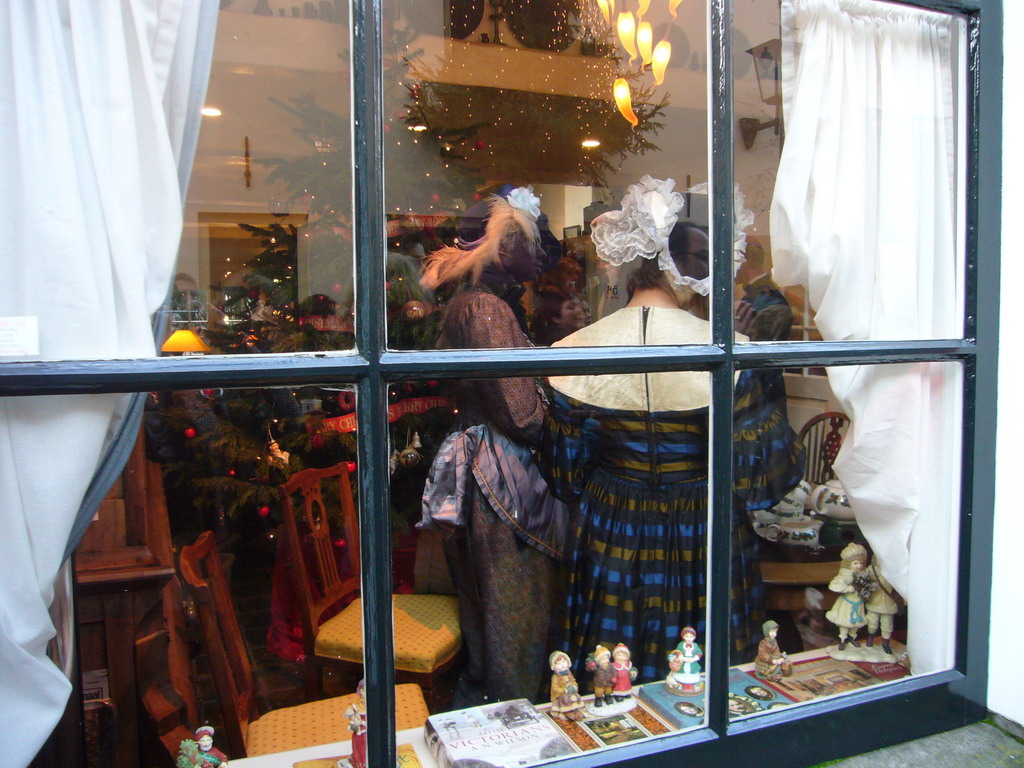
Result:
[
  {"x": 95, "y": 105},
  {"x": 864, "y": 217}
]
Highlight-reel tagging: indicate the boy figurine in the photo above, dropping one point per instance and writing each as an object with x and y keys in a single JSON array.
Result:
[
  {"x": 880, "y": 607},
  {"x": 600, "y": 664}
]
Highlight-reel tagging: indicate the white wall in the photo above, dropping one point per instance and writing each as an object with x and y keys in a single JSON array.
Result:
[{"x": 1006, "y": 673}]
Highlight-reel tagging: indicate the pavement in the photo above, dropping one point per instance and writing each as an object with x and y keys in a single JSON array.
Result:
[{"x": 994, "y": 743}]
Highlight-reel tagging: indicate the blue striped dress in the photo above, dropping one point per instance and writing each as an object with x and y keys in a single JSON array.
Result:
[{"x": 639, "y": 483}]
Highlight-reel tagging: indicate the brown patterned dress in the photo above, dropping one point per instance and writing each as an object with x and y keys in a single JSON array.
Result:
[{"x": 507, "y": 588}]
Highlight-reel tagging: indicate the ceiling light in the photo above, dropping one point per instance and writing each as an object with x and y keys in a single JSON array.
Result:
[
  {"x": 211, "y": 112},
  {"x": 591, "y": 143}
]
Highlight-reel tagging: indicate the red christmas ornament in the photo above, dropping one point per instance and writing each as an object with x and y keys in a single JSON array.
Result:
[
  {"x": 432, "y": 384},
  {"x": 263, "y": 511},
  {"x": 189, "y": 432},
  {"x": 231, "y": 472},
  {"x": 414, "y": 311},
  {"x": 317, "y": 441},
  {"x": 435, "y": 198},
  {"x": 336, "y": 288},
  {"x": 350, "y": 466},
  {"x": 480, "y": 144},
  {"x": 476, "y": 196},
  {"x": 340, "y": 542},
  {"x": 347, "y": 401}
]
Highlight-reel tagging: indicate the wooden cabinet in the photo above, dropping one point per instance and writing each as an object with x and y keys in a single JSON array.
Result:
[{"x": 125, "y": 591}]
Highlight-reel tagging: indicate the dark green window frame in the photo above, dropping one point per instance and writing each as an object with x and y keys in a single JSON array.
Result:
[{"x": 816, "y": 731}]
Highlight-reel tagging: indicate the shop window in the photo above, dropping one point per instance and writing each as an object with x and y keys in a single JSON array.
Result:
[
  {"x": 830, "y": 549},
  {"x": 266, "y": 256},
  {"x": 641, "y": 477}
]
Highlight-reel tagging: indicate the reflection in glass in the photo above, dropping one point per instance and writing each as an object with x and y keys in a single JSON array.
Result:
[
  {"x": 858, "y": 557},
  {"x": 466, "y": 118},
  {"x": 879, "y": 254},
  {"x": 265, "y": 263}
]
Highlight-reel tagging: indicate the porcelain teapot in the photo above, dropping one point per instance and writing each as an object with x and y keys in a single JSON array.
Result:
[{"x": 830, "y": 500}]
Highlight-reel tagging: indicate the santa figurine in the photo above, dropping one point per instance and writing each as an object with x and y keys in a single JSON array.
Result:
[
  {"x": 356, "y": 714},
  {"x": 207, "y": 756}
]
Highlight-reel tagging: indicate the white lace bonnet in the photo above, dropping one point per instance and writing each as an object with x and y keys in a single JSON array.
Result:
[{"x": 641, "y": 228}]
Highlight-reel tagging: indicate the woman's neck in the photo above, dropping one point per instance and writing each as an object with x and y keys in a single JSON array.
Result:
[{"x": 653, "y": 297}]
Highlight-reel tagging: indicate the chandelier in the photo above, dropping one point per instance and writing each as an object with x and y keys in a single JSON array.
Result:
[{"x": 636, "y": 36}]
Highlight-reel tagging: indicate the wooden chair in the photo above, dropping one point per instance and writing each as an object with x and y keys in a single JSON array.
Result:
[
  {"x": 426, "y": 627},
  {"x": 822, "y": 437},
  {"x": 245, "y": 732}
]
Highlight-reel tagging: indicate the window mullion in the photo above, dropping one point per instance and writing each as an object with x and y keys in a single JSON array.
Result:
[
  {"x": 721, "y": 118},
  {"x": 374, "y": 490}
]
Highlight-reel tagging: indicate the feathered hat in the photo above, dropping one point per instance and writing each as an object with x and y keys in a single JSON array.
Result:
[{"x": 503, "y": 223}]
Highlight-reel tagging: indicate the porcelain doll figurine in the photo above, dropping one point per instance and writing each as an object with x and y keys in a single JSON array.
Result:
[
  {"x": 201, "y": 753},
  {"x": 623, "y": 674},
  {"x": 880, "y": 607},
  {"x": 600, "y": 665},
  {"x": 566, "y": 703},
  {"x": 684, "y": 665},
  {"x": 770, "y": 662},
  {"x": 356, "y": 714},
  {"x": 854, "y": 587},
  {"x": 692, "y": 653}
]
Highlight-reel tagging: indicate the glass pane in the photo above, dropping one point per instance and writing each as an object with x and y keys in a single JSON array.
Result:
[
  {"x": 849, "y": 176},
  {"x": 266, "y": 256},
  {"x": 856, "y": 548},
  {"x": 520, "y": 96},
  {"x": 269, "y": 475},
  {"x": 566, "y": 537}
]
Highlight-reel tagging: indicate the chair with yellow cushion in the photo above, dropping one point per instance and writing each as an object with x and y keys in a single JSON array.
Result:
[
  {"x": 245, "y": 732},
  {"x": 427, "y": 636}
]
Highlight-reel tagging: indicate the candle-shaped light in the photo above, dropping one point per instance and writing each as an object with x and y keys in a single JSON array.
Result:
[
  {"x": 605, "y": 11},
  {"x": 644, "y": 41},
  {"x": 662, "y": 53},
  {"x": 627, "y": 33},
  {"x": 673, "y": 6},
  {"x": 623, "y": 100},
  {"x": 642, "y": 10}
]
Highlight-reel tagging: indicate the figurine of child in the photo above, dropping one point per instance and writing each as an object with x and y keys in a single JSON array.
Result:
[
  {"x": 692, "y": 654},
  {"x": 623, "y": 673},
  {"x": 201, "y": 753},
  {"x": 880, "y": 607},
  {"x": 566, "y": 703},
  {"x": 356, "y": 714},
  {"x": 684, "y": 665},
  {"x": 854, "y": 588},
  {"x": 600, "y": 665},
  {"x": 770, "y": 660}
]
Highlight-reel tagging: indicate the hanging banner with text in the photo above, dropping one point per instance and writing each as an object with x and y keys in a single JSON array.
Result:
[{"x": 411, "y": 406}]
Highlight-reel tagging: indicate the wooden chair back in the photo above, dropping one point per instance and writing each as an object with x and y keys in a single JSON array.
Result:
[
  {"x": 319, "y": 583},
  {"x": 822, "y": 437},
  {"x": 203, "y": 575},
  {"x": 166, "y": 707}
]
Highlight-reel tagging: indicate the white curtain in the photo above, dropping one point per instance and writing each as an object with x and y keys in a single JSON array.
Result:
[
  {"x": 864, "y": 217},
  {"x": 93, "y": 109}
]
